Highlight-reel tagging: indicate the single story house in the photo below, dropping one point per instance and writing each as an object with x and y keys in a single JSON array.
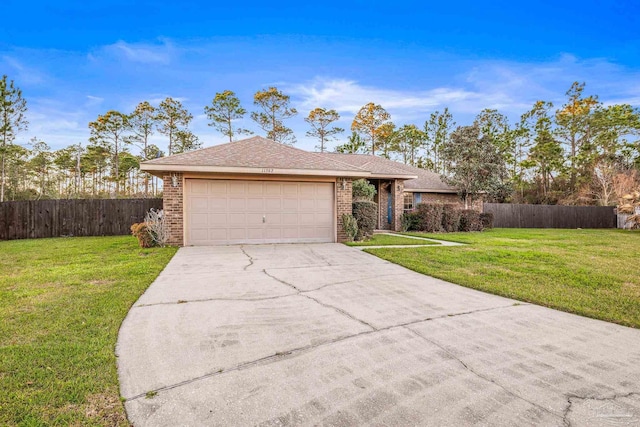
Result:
[{"x": 259, "y": 191}]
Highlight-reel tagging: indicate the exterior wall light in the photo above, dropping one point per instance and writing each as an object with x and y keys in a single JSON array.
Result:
[{"x": 174, "y": 180}]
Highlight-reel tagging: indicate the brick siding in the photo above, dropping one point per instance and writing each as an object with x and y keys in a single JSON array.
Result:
[
  {"x": 449, "y": 199},
  {"x": 344, "y": 204},
  {"x": 173, "y": 208},
  {"x": 398, "y": 203}
]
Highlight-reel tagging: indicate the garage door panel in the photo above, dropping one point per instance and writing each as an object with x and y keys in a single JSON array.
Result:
[
  {"x": 273, "y": 205},
  {"x": 255, "y": 188},
  {"x": 199, "y": 220},
  {"x": 237, "y": 205},
  {"x": 290, "y": 205},
  {"x": 307, "y": 219},
  {"x": 290, "y": 189},
  {"x": 237, "y": 188},
  {"x": 237, "y": 219},
  {"x": 199, "y": 188},
  {"x": 324, "y": 206},
  {"x": 273, "y": 219},
  {"x": 307, "y": 232},
  {"x": 254, "y": 219},
  {"x": 237, "y": 233},
  {"x": 273, "y": 233},
  {"x": 273, "y": 189},
  {"x": 215, "y": 187},
  {"x": 197, "y": 233},
  {"x": 219, "y": 234},
  {"x": 255, "y": 205},
  {"x": 290, "y": 218},
  {"x": 325, "y": 220},
  {"x": 199, "y": 204},
  {"x": 307, "y": 205},
  {"x": 230, "y": 212},
  {"x": 218, "y": 220},
  {"x": 255, "y": 233},
  {"x": 217, "y": 205},
  {"x": 324, "y": 192}
]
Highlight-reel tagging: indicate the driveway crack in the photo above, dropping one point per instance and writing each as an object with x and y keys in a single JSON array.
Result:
[
  {"x": 481, "y": 376},
  {"x": 285, "y": 354},
  {"x": 302, "y": 294},
  {"x": 215, "y": 299},
  {"x": 572, "y": 397},
  {"x": 248, "y": 256}
]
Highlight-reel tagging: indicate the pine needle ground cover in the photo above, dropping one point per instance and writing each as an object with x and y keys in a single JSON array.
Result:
[
  {"x": 61, "y": 304},
  {"x": 593, "y": 273}
]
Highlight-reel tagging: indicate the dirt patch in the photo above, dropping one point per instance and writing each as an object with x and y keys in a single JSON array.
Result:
[{"x": 107, "y": 409}]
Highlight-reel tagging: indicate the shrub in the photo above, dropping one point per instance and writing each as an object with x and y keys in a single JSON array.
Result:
[
  {"x": 450, "y": 218},
  {"x": 470, "y": 220},
  {"x": 630, "y": 207},
  {"x": 142, "y": 232},
  {"x": 429, "y": 217},
  {"x": 157, "y": 227},
  {"x": 408, "y": 221},
  {"x": 363, "y": 190},
  {"x": 486, "y": 219},
  {"x": 349, "y": 226},
  {"x": 366, "y": 213}
]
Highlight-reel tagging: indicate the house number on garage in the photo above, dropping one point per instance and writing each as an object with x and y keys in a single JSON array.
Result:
[{"x": 267, "y": 170}]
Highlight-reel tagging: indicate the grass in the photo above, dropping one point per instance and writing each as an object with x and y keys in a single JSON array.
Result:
[
  {"x": 386, "y": 239},
  {"x": 593, "y": 273},
  {"x": 61, "y": 303}
]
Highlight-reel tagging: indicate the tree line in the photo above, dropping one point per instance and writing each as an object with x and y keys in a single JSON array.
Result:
[{"x": 583, "y": 152}]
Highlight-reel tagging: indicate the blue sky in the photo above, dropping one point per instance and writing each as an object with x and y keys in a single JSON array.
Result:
[{"x": 75, "y": 60}]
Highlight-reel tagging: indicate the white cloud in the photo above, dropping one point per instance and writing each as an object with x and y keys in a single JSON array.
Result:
[
  {"x": 94, "y": 100},
  {"x": 24, "y": 74},
  {"x": 348, "y": 96},
  {"x": 510, "y": 87},
  {"x": 144, "y": 53}
]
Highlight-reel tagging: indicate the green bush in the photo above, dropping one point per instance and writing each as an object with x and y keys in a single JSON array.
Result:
[
  {"x": 366, "y": 214},
  {"x": 429, "y": 217},
  {"x": 450, "y": 218},
  {"x": 349, "y": 226},
  {"x": 470, "y": 220},
  {"x": 486, "y": 219},
  {"x": 408, "y": 222},
  {"x": 363, "y": 190}
]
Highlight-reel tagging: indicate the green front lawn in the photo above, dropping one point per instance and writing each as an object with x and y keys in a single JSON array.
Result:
[
  {"x": 61, "y": 304},
  {"x": 386, "y": 240},
  {"x": 594, "y": 273}
]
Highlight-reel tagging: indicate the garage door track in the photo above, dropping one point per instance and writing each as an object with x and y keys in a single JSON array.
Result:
[{"x": 326, "y": 334}]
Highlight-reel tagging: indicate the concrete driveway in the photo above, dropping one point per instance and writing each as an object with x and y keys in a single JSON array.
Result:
[{"x": 325, "y": 334}]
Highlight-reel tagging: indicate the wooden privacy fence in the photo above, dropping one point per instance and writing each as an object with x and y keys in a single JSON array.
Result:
[
  {"x": 551, "y": 216},
  {"x": 72, "y": 217}
]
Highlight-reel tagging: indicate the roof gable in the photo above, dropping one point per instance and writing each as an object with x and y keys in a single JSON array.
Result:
[{"x": 426, "y": 180}]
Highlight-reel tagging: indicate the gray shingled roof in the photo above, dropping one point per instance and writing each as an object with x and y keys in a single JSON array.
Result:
[
  {"x": 259, "y": 152},
  {"x": 255, "y": 152},
  {"x": 426, "y": 180}
]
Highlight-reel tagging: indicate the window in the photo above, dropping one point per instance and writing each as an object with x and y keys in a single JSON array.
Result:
[{"x": 408, "y": 202}]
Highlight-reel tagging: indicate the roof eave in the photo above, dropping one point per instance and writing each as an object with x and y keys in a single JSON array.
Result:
[
  {"x": 153, "y": 167},
  {"x": 392, "y": 176},
  {"x": 430, "y": 190}
]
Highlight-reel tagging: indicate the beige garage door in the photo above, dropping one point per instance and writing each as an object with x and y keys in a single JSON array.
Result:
[{"x": 221, "y": 212}]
